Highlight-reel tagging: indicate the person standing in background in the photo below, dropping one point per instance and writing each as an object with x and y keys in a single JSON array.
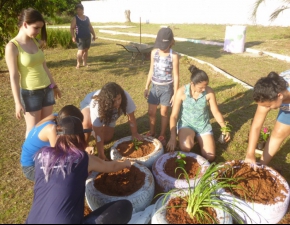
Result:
[
  {"x": 33, "y": 88},
  {"x": 81, "y": 30}
]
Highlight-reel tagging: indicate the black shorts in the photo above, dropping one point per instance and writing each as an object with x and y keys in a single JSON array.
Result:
[{"x": 84, "y": 43}]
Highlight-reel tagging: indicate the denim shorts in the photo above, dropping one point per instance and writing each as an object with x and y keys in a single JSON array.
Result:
[
  {"x": 160, "y": 94},
  {"x": 84, "y": 43},
  {"x": 284, "y": 117},
  {"x": 29, "y": 172},
  {"x": 35, "y": 100}
]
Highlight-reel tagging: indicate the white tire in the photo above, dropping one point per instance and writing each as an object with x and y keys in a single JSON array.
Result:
[
  {"x": 159, "y": 209},
  {"x": 167, "y": 182},
  {"x": 139, "y": 199},
  {"x": 147, "y": 160},
  {"x": 256, "y": 213}
]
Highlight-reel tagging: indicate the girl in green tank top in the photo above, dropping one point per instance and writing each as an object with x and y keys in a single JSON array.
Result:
[{"x": 190, "y": 116}]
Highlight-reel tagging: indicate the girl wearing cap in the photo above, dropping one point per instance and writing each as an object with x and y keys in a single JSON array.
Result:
[
  {"x": 34, "y": 90},
  {"x": 43, "y": 134},
  {"x": 271, "y": 92},
  {"x": 164, "y": 75},
  {"x": 190, "y": 115},
  {"x": 60, "y": 178},
  {"x": 102, "y": 108}
]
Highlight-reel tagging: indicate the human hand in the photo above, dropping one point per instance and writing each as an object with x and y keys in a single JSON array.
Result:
[
  {"x": 18, "y": 108},
  {"x": 172, "y": 100},
  {"x": 171, "y": 145},
  {"x": 128, "y": 163},
  {"x": 102, "y": 156},
  {"x": 137, "y": 136},
  {"x": 146, "y": 93},
  {"x": 227, "y": 137},
  {"x": 251, "y": 161},
  {"x": 90, "y": 150},
  {"x": 57, "y": 93},
  {"x": 74, "y": 40}
]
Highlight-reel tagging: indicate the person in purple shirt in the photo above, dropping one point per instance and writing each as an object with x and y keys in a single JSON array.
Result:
[{"x": 60, "y": 177}]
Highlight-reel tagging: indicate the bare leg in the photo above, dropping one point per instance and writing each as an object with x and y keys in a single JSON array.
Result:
[
  {"x": 46, "y": 111},
  {"x": 164, "y": 119},
  {"x": 31, "y": 118},
  {"x": 152, "y": 117},
  {"x": 207, "y": 146},
  {"x": 278, "y": 135},
  {"x": 87, "y": 123},
  {"x": 79, "y": 58},
  {"x": 85, "y": 56},
  {"x": 186, "y": 139}
]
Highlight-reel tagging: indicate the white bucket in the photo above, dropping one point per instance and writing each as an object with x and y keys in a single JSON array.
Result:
[{"x": 235, "y": 39}]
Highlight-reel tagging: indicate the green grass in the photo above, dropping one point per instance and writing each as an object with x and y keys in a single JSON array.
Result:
[{"x": 109, "y": 62}]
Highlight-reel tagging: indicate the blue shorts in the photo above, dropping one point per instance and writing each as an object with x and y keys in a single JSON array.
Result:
[
  {"x": 29, "y": 172},
  {"x": 160, "y": 94},
  {"x": 284, "y": 117},
  {"x": 84, "y": 43},
  {"x": 35, "y": 100}
]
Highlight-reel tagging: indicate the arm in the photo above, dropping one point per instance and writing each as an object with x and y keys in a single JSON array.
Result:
[
  {"x": 150, "y": 74},
  {"x": 173, "y": 118},
  {"x": 101, "y": 166},
  {"x": 99, "y": 134},
  {"x": 175, "y": 76},
  {"x": 133, "y": 126},
  {"x": 57, "y": 93},
  {"x": 72, "y": 29},
  {"x": 92, "y": 31},
  {"x": 11, "y": 54},
  {"x": 254, "y": 134}
]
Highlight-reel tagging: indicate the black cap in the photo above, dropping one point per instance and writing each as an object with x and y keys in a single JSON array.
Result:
[
  {"x": 70, "y": 125},
  {"x": 164, "y": 38}
]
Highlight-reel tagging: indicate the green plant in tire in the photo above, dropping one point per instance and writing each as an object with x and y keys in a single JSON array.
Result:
[
  {"x": 136, "y": 143},
  {"x": 180, "y": 159},
  {"x": 204, "y": 196}
]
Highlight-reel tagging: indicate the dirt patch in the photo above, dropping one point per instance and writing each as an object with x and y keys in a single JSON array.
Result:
[
  {"x": 176, "y": 213},
  {"x": 258, "y": 186},
  {"x": 192, "y": 168},
  {"x": 127, "y": 149},
  {"x": 121, "y": 183}
]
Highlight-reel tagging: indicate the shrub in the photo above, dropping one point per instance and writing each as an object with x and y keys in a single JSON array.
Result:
[{"x": 59, "y": 37}]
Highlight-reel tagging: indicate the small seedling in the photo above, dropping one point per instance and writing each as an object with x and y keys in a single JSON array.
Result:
[
  {"x": 180, "y": 159},
  {"x": 137, "y": 143}
]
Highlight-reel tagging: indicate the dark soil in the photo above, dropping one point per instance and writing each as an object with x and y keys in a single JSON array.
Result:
[
  {"x": 127, "y": 149},
  {"x": 121, "y": 183}
]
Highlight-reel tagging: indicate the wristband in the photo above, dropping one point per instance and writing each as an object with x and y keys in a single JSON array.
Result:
[{"x": 53, "y": 86}]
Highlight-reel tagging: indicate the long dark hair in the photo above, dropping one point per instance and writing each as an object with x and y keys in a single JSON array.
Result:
[
  {"x": 105, "y": 100},
  {"x": 31, "y": 16},
  {"x": 268, "y": 88},
  {"x": 197, "y": 75}
]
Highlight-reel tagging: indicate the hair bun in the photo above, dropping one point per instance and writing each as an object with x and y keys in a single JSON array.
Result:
[{"x": 193, "y": 68}]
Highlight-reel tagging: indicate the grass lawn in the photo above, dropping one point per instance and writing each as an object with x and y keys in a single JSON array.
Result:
[{"x": 109, "y": 62}]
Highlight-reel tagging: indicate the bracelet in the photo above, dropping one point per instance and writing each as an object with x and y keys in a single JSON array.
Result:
[{"x": 53, "y": 86}]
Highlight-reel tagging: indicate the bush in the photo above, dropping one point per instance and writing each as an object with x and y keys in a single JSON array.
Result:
[{"x": 59, "y": 37}]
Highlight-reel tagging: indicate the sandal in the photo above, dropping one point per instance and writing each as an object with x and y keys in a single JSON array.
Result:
[{"x": 162, "y": 140}]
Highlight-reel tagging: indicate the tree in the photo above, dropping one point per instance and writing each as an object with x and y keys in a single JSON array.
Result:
[
  {"x": 275, "y": 14},
  {"x": 9, "y": 11}
]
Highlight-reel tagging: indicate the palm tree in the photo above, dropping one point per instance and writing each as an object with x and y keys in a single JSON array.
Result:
[{"x": 275, "y": 14}]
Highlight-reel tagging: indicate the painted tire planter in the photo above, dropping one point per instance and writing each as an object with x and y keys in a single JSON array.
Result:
[
  {"x": 140, "y": 199},
  {"x": 167, "y": 182},
  {"x": 257, "y": 213},
  {"x": 159, "y": 210},
  {"x": 147, "y": 160}
]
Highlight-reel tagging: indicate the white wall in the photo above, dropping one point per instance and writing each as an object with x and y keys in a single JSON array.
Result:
[{"x": 185, "y": 11}]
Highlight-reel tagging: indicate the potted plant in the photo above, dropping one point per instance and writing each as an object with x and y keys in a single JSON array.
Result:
[
  {"x": 226, "y": 129},
  {"x": 200, "y": 204},
  {"x": 168, "y": 175},
  {"x": 264, "y": 136},
  {"x": 144, "y": 152}
]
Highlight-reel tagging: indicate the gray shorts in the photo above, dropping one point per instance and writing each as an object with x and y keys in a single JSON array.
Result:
[
  {"x": 35, "y": 100},
  {"x": 84, "y": 43},
  {"x": 160, "y": 94}
]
